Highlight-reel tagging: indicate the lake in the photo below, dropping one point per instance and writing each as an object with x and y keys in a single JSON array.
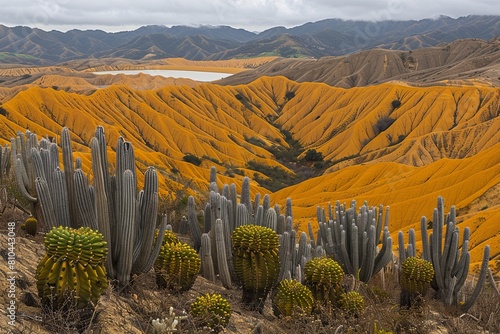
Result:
[{"x": 194, "y": 75}]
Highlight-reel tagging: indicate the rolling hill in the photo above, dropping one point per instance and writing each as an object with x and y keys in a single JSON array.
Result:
[
  {"x": 390, "y": 144},
  {"x": 466, "y": 61}
]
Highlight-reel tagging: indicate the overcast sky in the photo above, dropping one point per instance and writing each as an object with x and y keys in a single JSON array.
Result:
[{"x": 252, "y": 15}]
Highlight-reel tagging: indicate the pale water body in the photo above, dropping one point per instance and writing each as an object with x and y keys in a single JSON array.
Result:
[{"x": 194, "y": 75}]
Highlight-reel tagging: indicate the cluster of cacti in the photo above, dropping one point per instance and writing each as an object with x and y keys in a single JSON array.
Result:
[
  {"x": 211, "y": 311},
  {"x": 72, "y": 272},
  {"x": 415, "y": 279},
  {"x": 177, "y": 266},
  {"x": 30, "y": 225},
  {"x": 223, "y": 213},
  {"x": 126, "y": 218},
  {"x": 256, "y": 262},
  {"x": 324, "y": 277},
  {"x": 449, "y": 260},
  {"x": 352, "y": 302},
  {"x": 292, "y": 298},
  {"x": 24, "y": 170},
  {"x": 352, "y": 238}
]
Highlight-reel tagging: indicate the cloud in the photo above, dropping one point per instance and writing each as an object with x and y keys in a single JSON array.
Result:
[{"x": 253, "y": 15}]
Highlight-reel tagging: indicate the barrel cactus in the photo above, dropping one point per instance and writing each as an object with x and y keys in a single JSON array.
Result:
[
  {"x": 169, "y": 237},
  {"x": 415, "y": 279},
  {"x": 256, "y": 262},
  {"x": 211, "y": 311},
  {"x": 292, "y": 299},
  {"x": 177, "y": 267},
  {"x": 72, "y": 273},
  {"x": 30, "y": 225},
  {"x": 352, "y": 302},
  {"x": 323, "y": 276}
]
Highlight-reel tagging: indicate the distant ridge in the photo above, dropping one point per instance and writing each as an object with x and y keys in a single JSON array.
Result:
[
  {"x": 331, "y": 37},
  {"x": 466, "y": 61}
]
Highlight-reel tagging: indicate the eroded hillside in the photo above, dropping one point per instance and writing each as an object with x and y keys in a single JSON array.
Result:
[
  {"x": 463, "y": 62},
  {"x": 389, "y": 144}
]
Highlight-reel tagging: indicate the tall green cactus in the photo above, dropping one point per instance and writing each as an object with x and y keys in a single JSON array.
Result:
[
  {"x": 256, "y": 262},
  {"x": 24, "y": 170},
  {"x": 126, "y": 218},
  {"x": 194, "y": 226},
  {"x": 5, "y": 161},
  {"x": 72, "y": 269},
  {"x": 207, "y": 268},
  {"x": 450, "y": 262},
  {"x": 292, "y": 299},
  {"x": 353, "y": 239}
]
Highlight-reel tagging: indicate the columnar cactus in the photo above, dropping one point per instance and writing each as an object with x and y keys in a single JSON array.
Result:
[
  {"x": 324, "y": 276},
  {"x": 194, "y": 226},
  {"x": 450, "y": 262},
  {"x": 72, "y": 269},
  {"x": 126, "y": 218},
  {"x": 207, "y": 264},
  {"x": 352, "y": 239},
  {"x": 5, "y": 160},
  {"x": 177, "y": 267},
  {"x": 24, "y": 169},
  {"x": 415, "y": 279},
  {"x": 211, "y": 311},
  {"x": 292, "y": 298},
  {"x": 256, "y": 262}
]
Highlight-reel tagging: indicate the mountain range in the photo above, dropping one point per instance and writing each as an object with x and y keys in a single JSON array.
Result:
[{"x": 330, "y": 37}]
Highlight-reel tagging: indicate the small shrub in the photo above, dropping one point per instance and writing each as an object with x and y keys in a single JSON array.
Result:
[
  {"x": 192, "y": 159},
  {"x": 289, "y": 95},
  {"x": 313, "y": 155},
  {"x": 383, "y": 123},
  {"x": 395, "y": 104}
]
